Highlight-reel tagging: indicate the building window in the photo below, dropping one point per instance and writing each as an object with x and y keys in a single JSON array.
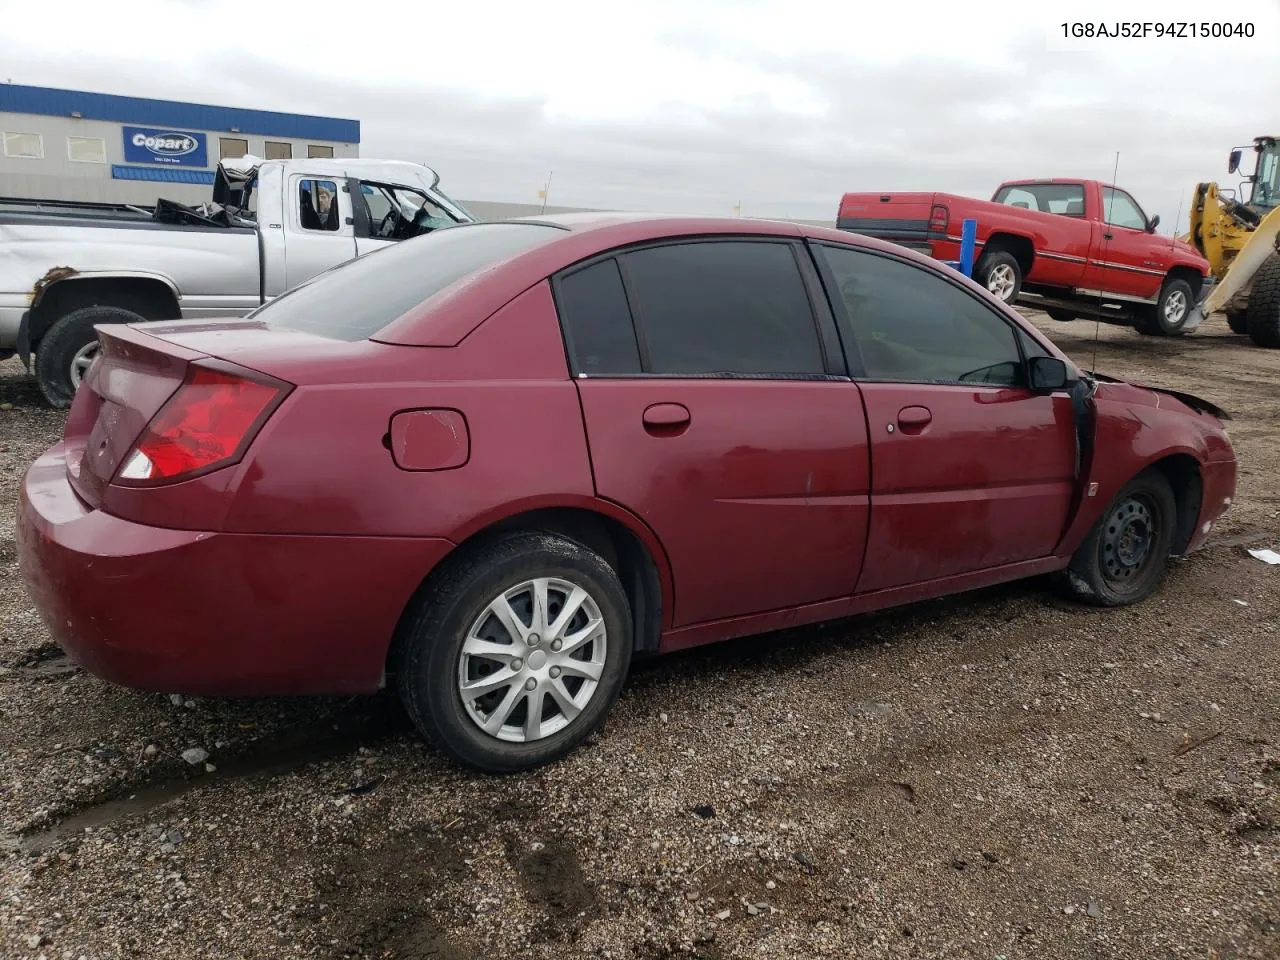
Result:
[
  {"x": 86, "y": 150},
  {"x": 279, "y": 151},
  {"x": 27, "y": 145},
  {"x": 230, "y": 148},
  {"x": 315, "y": 151}
]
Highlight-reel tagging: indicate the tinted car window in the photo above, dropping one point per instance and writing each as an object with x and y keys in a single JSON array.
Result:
[
  {"x": 358, "y": 298},
  {"x": 723, "y": 307},
  {"x": 597, "y": 321},
  {"x": 913, "y": 326}
]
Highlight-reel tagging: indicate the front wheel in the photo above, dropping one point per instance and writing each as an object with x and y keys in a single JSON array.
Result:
[
  {"x": 1264, "y": 304},
  {"x": 1238, "y": 321},
  {"x": 517, "y": 653},
  {"x": 1123, "y": 559},
  {"x": 1168, "y": 318}
]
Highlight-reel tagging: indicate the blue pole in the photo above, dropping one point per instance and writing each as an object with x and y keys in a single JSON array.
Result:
[{"x": 968, "y": 238}]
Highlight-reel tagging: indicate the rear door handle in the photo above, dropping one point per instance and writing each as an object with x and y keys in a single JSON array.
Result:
[
  {"x": 663, "y": 418},
  {"x": 914, "y": 419}
]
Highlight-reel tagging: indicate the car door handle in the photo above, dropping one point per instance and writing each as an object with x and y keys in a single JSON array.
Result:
[
  {"x": 914, "y": 419},
  {"x": 666, "y": 418},
  {"x": 1107, "y": 236}
]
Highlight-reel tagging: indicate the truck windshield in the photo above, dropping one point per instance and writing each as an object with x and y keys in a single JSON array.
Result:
[
  {"x": 356, "y": 299},
  {"x": 456, "y": 205},
  {"x": 1063, "y": 198}
]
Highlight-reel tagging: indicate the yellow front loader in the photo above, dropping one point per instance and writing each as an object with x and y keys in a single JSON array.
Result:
[{"x": 1241, "y": 240}]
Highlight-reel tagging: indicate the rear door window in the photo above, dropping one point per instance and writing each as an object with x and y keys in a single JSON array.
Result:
[
  {"x": 722, "y": 308},
  {"x": 597, "y": 321},
  {"x": 358, "y": 298}
]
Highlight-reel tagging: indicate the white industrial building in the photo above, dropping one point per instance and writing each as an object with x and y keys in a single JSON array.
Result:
[{"x": 74, "y": 145}]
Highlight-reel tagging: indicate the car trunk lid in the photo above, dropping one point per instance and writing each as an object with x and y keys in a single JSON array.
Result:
[
  {"x": 125, "y": 387},
  {"x": 142, "y": 367}
]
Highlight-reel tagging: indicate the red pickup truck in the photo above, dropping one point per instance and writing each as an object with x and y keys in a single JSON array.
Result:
[{"x": 1071, "y": 247}]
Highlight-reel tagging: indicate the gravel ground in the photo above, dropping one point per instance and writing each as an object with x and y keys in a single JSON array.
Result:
[{"x": 1001, "y": 774}]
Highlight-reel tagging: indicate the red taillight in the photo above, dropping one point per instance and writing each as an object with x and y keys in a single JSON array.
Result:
[
  {"x": 207, "y": 423},
  {"x": 939, "y": 219}
]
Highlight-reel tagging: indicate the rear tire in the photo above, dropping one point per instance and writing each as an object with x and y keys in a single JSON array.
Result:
[
  {"x": 67, "y": 349},
  {"x": 1238, "y": 321},
  {"x": 1264, "y": 304},
  {"x": 1168, "y": 318},
  {"x": 999, "y": 273},
  {"x": 1123, "y": 559},
  {"x": 454, "y": 637},
  {"x": 1063, "y": 316}
]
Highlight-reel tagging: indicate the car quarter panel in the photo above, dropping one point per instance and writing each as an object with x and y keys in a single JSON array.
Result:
[{"x": 322, "y": 464}]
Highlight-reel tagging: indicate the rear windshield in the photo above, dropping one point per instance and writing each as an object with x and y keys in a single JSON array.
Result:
[{"x": 357, "y": 299}]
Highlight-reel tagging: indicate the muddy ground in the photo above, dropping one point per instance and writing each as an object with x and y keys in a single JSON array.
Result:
[{"x": 1002, "y": 774}]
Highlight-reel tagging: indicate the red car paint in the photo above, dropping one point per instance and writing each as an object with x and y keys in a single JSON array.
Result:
[
  {"x": 1073, "y": 254},
  {"x": 755, "y": 503}
]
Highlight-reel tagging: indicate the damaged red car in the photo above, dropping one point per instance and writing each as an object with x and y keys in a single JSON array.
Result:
[{"x": 493, "y": 465}]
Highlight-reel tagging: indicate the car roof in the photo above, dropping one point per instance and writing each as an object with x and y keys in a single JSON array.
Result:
[{"x": 446, "y": 318}]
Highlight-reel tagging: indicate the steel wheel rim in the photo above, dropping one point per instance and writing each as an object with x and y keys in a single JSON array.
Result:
[
  {"x": 531, "y": 661},
  {"x": 1000, "y": 280},
  {"x": 1129, "y": 533},
  {"x": 1175, "y": 307},
  {"x": 81, "y": 362}
]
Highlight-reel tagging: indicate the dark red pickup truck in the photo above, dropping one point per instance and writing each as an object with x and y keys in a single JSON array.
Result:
[{"x": 1072, "y": 247}]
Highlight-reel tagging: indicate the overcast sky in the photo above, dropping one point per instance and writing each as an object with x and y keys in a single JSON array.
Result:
[{"x": 693, "y": 105}]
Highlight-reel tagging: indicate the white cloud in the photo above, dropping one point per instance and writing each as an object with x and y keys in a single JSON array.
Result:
[{"x": 695, "y": 104}]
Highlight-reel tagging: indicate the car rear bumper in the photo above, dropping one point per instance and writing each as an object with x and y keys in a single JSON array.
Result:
[{"x": 207, "y": 613}]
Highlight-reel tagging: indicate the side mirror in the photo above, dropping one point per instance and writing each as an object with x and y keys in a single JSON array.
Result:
[
  {"x": 1233, "y": 161},
  {"x": 1049, "y": 374},
  {"x": 1153, "y": 223}
]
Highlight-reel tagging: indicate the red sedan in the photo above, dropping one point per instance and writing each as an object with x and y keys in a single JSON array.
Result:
[{"x": 493, "y": 464}]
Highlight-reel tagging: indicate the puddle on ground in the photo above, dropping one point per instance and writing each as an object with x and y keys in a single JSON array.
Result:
[
  {"x": 46, "y": 662},
  {"x": 284, "y": 752}
]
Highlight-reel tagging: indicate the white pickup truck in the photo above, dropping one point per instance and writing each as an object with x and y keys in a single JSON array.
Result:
[{"x": 67, "y": 267}]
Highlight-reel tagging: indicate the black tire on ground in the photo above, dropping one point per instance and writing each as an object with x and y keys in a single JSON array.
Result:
[
  {"x": 1123, "y": 559},
  {"x": 1264, "y": 304},
  {"x": 1064, "y": 316},
  {"x": 429, "y": 658},
  {"x": 1238, "y": 321},
  {"x": 999, "y": 269},
  {"x": 69, "y": 343},
  {"x": 1168, "y": 318}
]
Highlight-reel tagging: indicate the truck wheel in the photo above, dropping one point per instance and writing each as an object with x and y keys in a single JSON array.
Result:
[
  {"x": 1238, "y": 321},
  {"x": 1264, "y": 304},
  {"x": 1065, "y": 316},
  {"x": 66, "y": 350},
  {"x": 1168, "y": 318},
  {"x": 998, "y": 271}
]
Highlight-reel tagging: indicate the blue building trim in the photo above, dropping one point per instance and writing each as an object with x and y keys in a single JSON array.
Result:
[
  {"x": 120, "y": 171},
  {"x": 52, "y": 102}
]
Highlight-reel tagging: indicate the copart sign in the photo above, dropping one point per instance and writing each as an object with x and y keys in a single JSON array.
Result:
[{"x": 178, "y": 148}]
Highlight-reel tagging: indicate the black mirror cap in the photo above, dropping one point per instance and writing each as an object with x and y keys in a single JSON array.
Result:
[
  {"x": 1233, "y": 161},
  {"x": 1153, "y": 223},
  {"x": 1049, "y": 374}
]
